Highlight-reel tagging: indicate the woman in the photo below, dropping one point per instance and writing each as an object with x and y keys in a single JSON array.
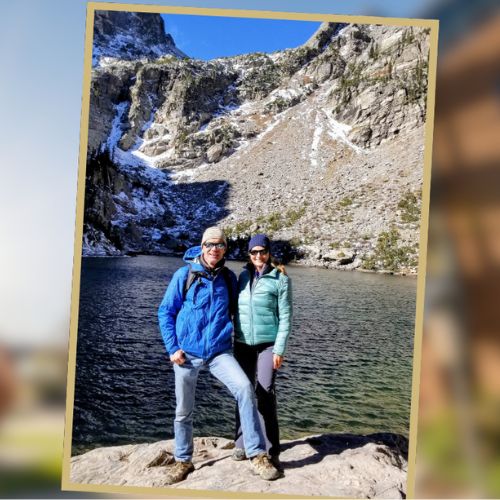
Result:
[{"x": 262, "y": 327}]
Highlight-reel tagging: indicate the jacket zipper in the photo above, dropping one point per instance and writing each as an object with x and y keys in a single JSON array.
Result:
[
  {"x": 211, "y": 319},
  {"x": 252, "y": 290}
]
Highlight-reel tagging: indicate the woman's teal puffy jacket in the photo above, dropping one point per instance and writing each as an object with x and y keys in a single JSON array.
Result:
[{"x": 264, "y": 312}]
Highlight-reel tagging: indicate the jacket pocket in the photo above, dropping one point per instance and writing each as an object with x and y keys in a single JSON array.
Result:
[{"x": 181, "y": 326}]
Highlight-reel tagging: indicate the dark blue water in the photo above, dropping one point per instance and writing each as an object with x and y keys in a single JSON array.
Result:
[{"x": 348, "y": 365}]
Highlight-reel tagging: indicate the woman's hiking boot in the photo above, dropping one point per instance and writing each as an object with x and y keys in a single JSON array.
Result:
[
  {"x": 275, "y": 460},
  {"x": 262, "y": 466},
  {"x": 239, "y": 454},
  {"x": 179, "y": 471}
]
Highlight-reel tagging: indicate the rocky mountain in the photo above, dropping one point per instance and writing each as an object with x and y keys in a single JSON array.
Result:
[
  {"x": 130, "y": 36},
  {"x": 333, "y": 465},
  {"x": 321, "y": 146}
]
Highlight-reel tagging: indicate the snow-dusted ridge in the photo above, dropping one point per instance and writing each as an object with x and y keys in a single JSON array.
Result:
[
  {"x": 130, "y": 36},
  {"x": 296, "y": 143}
]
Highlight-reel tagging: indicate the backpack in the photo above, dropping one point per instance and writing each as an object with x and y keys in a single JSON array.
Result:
[{"x": 194, "y": 275}]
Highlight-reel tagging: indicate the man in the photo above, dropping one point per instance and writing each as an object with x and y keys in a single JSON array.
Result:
[{"x": 195, "y": 324}]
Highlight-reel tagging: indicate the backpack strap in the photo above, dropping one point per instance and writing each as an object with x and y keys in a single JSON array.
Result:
[
  {"x": 190, "y": 279},
  {"x": 193, "y": 275}
]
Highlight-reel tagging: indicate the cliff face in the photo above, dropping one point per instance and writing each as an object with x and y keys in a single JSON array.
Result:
[
  {"x": 343, "y": 466},
  {"x": 130, "y": 36},
  {"x": 321, "y": 146}
]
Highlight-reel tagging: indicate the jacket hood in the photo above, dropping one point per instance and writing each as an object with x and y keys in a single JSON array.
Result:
[{"x": 192, "y": 255}]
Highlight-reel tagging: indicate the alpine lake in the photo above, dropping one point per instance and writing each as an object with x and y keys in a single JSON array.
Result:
[{"x": 347, "y": 369}]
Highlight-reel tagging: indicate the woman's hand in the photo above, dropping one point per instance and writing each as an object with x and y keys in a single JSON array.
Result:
[
  {"x": 277, "y": 360},
  {"x": 178, "y": 357}
]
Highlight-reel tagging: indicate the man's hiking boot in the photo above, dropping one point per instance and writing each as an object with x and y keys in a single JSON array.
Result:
[
  {"x": 179, "y": 471},
  {"x": 262, "y": 466},
  {"x": 239, "y": 454},
  {"x": 275, "y": 460}
]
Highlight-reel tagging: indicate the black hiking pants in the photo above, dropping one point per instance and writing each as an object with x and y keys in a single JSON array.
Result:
[{"x": 257, "y": 363}]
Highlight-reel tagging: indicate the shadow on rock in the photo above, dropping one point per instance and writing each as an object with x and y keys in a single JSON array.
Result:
[{"x": 335, "y": 444}]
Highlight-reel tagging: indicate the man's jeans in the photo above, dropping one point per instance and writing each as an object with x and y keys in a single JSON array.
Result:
[{"x": 228, "y": 371}]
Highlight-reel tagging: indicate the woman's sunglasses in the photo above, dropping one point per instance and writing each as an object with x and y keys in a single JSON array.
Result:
[{"x": 257, "y": 252}]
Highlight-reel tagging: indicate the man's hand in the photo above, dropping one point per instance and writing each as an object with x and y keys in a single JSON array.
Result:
[
  {"x": 178, "y": 357},
  {"x": 277, "y": 360}
]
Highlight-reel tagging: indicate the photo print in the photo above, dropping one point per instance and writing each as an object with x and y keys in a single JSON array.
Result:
[{"x": 313, "y": 131}]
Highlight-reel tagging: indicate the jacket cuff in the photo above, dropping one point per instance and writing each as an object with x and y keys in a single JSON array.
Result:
[{"x": 173, "y": 351}]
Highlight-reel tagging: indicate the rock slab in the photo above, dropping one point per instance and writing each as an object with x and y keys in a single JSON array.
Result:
[{"x": 342, "y": 465}]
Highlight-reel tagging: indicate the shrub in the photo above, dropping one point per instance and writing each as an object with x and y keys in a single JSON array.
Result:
[
  {"x": 415, "y": 85},
  {"x": 410, "y": 206},
  {"x": 345, "y": 202},
  {"x": 408, "y": 37},
  {"x": 269, "y": 223},
  {"x": 389, "y": 255},
  {"x": 273, "y": 222},
  {"x": 238, "y": 229},
  {"x": 292, "y": 216}
]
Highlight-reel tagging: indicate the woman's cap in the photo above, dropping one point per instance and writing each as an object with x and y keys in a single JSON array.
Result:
[
  {"x": 259, "y": 240},
  {"x": 213, "y": 233}
]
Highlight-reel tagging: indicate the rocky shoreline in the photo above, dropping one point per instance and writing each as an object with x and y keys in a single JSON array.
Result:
[
  {"x": 341, "y": 465},
  {"x": 307, "y": 262}
]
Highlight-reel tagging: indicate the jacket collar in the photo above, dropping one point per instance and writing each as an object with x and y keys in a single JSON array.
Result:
[
  {"x": 251, "y": 269},
  {"x": 209, "y": 270}
]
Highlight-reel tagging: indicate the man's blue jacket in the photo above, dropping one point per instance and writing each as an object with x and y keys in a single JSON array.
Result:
[{"x": 197, "y": 321}]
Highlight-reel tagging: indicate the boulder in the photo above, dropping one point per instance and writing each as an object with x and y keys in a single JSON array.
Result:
[
  {"x": 215, "y": 153},
  {"x": 342, "y": 256}
]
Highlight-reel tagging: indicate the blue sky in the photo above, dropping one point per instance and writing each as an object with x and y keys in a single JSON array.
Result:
[
  {"x": 208, "y": 37},
  {"x": 42, "y": 49}
]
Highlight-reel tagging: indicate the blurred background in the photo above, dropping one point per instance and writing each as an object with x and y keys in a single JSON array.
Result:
[
  {"x": 41, "y": 46},
  {"x": 459, "y": 421}
]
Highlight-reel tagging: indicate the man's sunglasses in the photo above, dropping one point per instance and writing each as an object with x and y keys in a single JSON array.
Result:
[
  {"x": 219, "y": 246},
  {"x": 257, "y": 252}
]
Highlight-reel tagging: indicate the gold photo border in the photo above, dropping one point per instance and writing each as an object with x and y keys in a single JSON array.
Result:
[{"x": 66, "y": 483}]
